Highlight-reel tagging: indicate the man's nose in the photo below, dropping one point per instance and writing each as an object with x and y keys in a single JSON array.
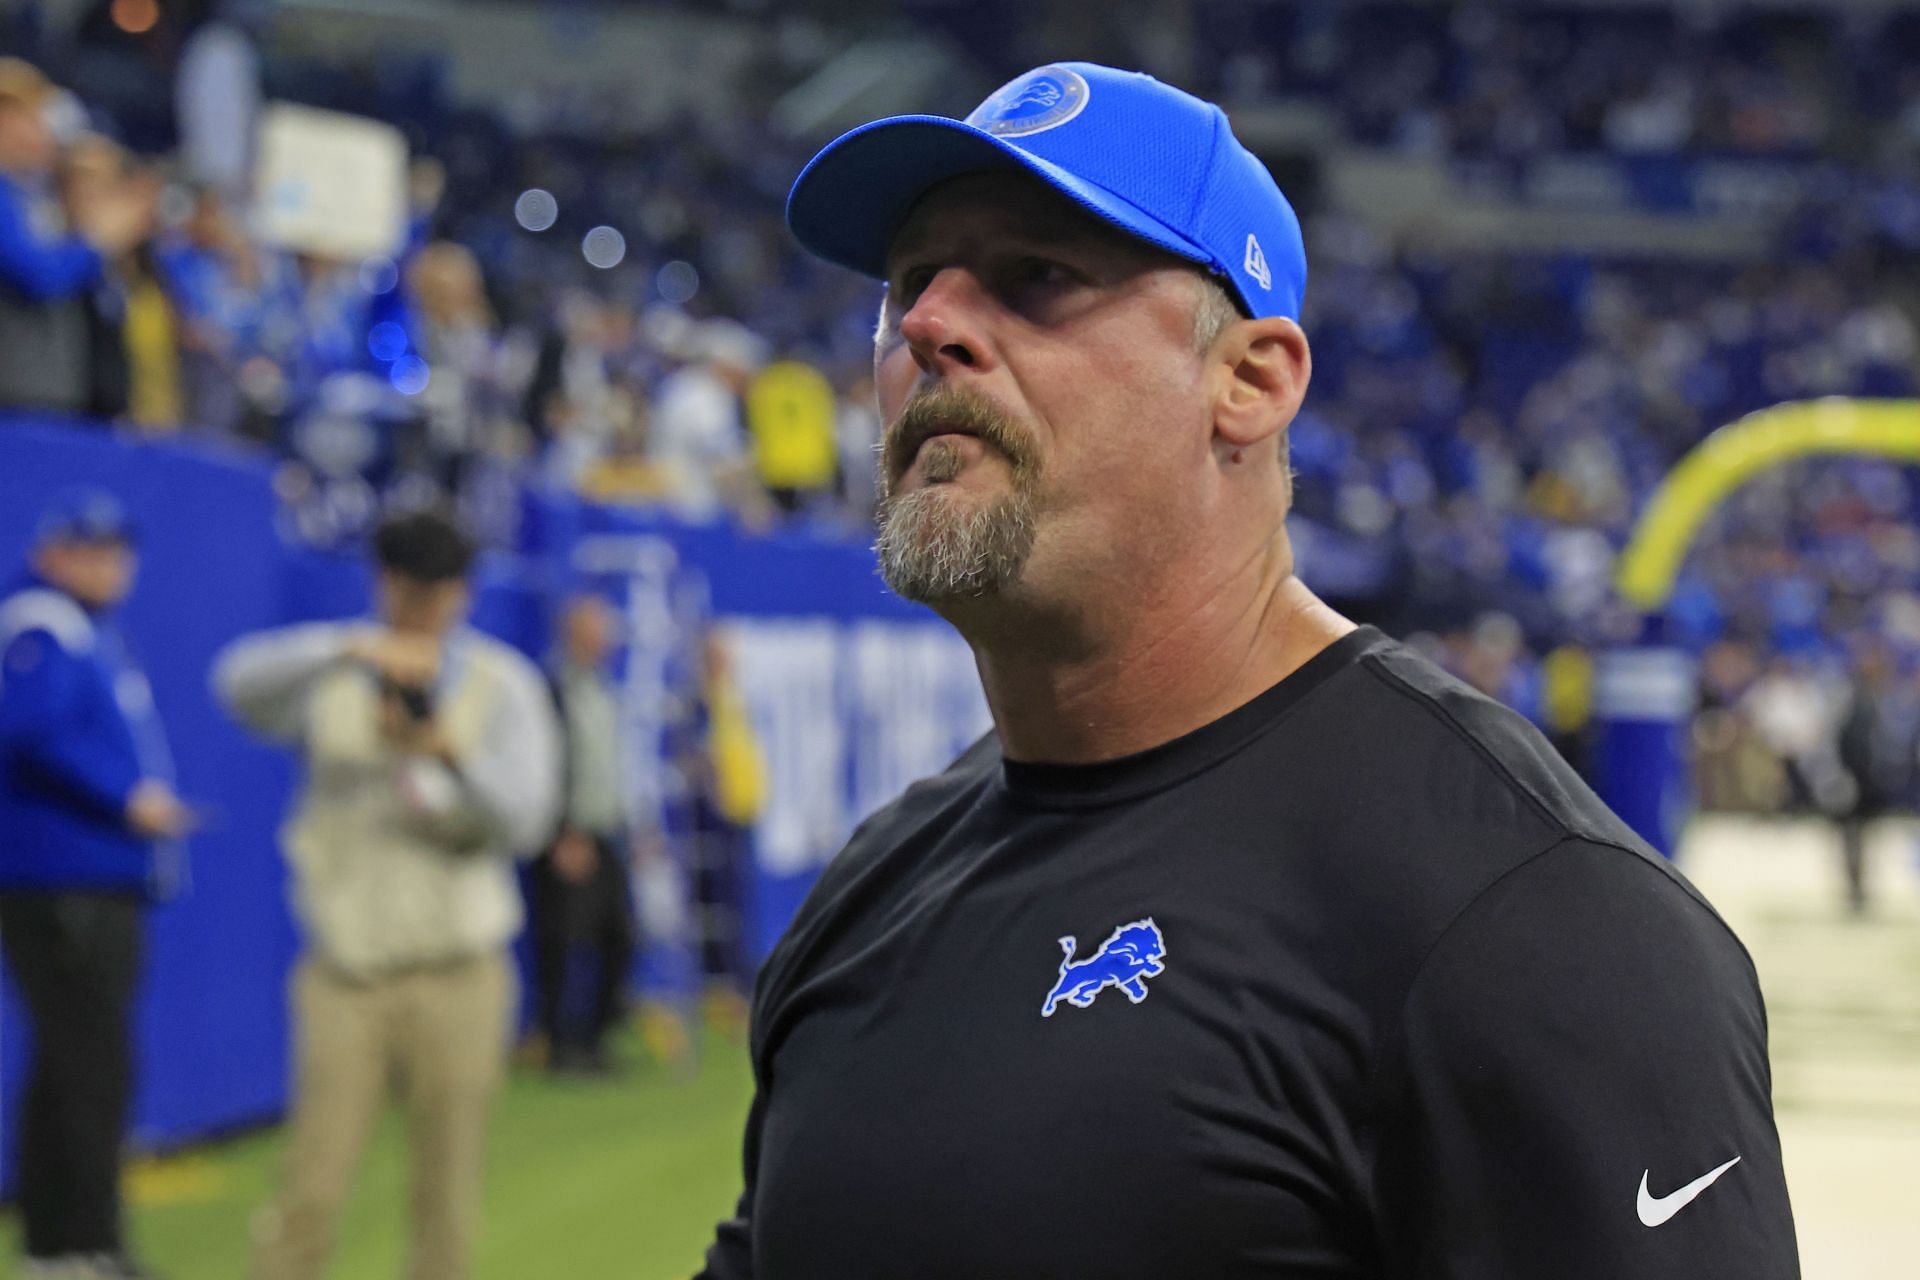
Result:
[{"x": 945, "y": 327}]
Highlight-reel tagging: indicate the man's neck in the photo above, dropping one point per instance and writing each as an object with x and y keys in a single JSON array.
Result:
[
  {"x": 51, "y": 582},
  {"x": 1154, "y": 673},
  {"x": 441, "y": 636}
]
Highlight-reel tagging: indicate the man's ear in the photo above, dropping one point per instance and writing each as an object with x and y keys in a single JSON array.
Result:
[{"x": 1264, "y": 367}]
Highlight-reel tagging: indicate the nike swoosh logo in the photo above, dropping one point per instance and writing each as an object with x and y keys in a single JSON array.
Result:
[{"x": 1654, "y": 1212}]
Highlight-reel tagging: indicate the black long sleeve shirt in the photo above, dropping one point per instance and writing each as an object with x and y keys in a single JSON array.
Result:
[{"x": 1359, "y": 980}]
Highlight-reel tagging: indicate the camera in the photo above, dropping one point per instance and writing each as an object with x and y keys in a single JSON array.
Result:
[{"x": 415, "y": 700}]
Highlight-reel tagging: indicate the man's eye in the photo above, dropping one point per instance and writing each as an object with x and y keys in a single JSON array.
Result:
[
  {"x": 913, "y": 283},
  {"x": 1042, "y": 271}
]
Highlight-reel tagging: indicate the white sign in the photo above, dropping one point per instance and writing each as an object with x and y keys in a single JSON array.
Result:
[{"x": 330, "y": 184}]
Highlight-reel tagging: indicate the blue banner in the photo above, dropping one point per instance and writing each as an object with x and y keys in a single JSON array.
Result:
[{"x": 1643, "y": 705}]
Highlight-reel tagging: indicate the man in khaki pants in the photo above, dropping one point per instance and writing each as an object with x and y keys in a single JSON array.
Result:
[{"x": 431, "y": 760}]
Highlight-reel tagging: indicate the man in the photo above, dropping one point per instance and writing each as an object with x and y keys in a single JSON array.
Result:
[
  {"x": 1879, "y": 747},
  {"x": 430, "y": 760},
  {"x": 1249, "y": 944},
  {"x": 133, "y": 353},
  {"x": 87, "y": 809},
  {"x": 47, "y": 270},
  {"x": 726, "y": 771},
  {"x": 696, "y": 428},
  {"x": 791, "y": 416},
  {"x": 582, "y": 895}
]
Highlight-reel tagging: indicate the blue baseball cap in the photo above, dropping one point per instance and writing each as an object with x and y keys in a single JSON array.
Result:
[
  {"x": 84, "y": 514},
  {"x": 1159, "y": 164}
]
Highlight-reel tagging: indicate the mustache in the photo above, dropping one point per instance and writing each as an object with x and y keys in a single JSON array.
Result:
[{"x": 944, "y": 409}]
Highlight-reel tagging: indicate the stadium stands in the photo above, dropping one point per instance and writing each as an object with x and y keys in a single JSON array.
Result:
[{"x": 590, "y": 281}]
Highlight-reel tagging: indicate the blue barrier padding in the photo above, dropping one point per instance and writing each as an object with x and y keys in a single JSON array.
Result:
[
  {"x": 827, "y": 572},
  {"x": 212, "y": 1022}
]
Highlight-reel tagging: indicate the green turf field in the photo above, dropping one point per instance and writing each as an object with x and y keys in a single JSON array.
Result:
[{"x": 589, "y": 1180}]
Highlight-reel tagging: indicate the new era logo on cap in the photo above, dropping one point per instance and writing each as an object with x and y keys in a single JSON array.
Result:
[{"x": 1257, "y": 263}]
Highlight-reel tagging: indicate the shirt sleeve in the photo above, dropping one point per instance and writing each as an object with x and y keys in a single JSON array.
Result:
[
  {"x": 264, "y": 679},
  {"x": 511, "y": 781},
  {"x": 1582, "y": 1089},
  {"x": 40, "y": 688},
  {"x": 42, "y": 270},
  {"x": 731, "y": 1255}
]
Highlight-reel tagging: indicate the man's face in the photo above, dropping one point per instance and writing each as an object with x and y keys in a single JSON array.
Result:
[
  {"x": 26, "y": 143},
  {"x": 589, "y": 631},
  {"x": 87, "y": 180},
  {"x": 97, "y": 574},
  {"x": 425, "y": 608},
  {"x": 1043, "y": 396}
]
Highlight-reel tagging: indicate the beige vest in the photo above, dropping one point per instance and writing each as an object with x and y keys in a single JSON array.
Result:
[{"x": 389, "y": 869}]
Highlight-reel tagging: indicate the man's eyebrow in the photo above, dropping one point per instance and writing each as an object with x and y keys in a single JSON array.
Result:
[
  {"x": 1052, "y": 234},
  {"x": 905, "y": 244}
]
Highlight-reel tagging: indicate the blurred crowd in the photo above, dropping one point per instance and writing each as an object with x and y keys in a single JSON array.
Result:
[
  {"x": 588, "y": 305},
  {"x": 486, "y": 359},
  {"x": 1514, "y": 81}
]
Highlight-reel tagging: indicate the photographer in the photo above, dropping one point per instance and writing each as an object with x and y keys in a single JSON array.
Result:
[{"x": 431, "y": 760}]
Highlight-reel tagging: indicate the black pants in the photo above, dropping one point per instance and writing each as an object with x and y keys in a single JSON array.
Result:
[
  {"x": 594, "y": 916},
  {"x": 720, "y": 859},
  {"x": 1853, "y": 858},
  {"x": 76, "y": 958}
]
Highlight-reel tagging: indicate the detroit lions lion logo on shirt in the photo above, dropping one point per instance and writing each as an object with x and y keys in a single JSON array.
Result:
[{"x": 1131, "y": 954}]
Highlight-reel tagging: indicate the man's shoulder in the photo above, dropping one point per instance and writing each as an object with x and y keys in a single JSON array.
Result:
[
  {"x": 1587, "y": 886},
  {"x": 1440, "y": 822},
  {"x": 892, "y": 826},
  {"x": 1456, "y": 755},
  {"x": 893, "y": 832},
  {"x": 42, "y": 609},
  {"x": 504, "y": 662},
  {"x": 1419, "y": 794}
]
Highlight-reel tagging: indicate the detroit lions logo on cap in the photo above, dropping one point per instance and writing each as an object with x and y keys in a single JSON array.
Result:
[{"x": 1035, "y": 102}]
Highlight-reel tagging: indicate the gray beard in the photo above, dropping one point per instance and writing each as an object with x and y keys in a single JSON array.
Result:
[{"x": 932, "y": 550}]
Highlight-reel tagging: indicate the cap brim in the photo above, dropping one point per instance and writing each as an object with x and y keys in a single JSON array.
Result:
[
  {"x": 850, "y": 201},
  {"x": 82, "y": 537}
]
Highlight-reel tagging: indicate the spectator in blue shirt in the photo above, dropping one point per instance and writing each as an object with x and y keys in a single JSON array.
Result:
[
  {"x": 89, "y": 817},
  {"x": 47, "y": 268}
]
